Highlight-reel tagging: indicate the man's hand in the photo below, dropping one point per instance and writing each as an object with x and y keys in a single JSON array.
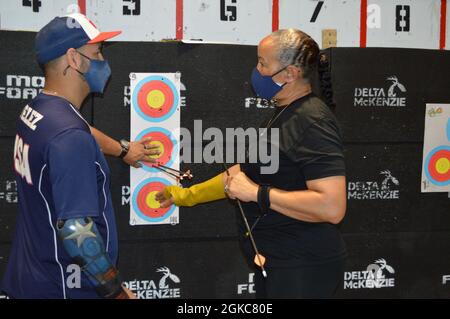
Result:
[
  {"x": 125, "y": 293},
  {"x": 141, "y": 151},
  {"x": 138, "y": 150},
  {"x": 129, "y": 293}
]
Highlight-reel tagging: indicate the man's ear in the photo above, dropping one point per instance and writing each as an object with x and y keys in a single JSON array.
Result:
[{"x": 73, "y": 59}]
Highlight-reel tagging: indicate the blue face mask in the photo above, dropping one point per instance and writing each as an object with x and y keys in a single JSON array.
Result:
[
  {"x": 97, "y": 75},
  {"x": 264, "y": 86}
]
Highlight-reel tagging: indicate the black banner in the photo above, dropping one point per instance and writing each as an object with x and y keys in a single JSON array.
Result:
[
  {"x": 381, "y": 93},
  {"x": 391, "y": 229}
]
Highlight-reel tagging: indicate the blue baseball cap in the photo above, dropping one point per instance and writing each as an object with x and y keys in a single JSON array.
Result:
[{"x": 63, "y": 33}]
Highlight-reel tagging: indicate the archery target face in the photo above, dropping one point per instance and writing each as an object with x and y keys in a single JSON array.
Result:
[
  {"x": 154, "y": 114},
  {"x": 166, "y": 146},
  {"x": 144, "y": 203},
  {"x": 155, "y": 98},
  {"x": 437, "y": 166}
]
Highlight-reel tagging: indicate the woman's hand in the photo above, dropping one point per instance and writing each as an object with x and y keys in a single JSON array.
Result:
[
  {"x": 241, "y": 187},
  {"x": 163, "y": 201}
]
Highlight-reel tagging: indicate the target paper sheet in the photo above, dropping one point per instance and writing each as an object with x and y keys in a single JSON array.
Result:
[
  {"x": 155, "y": 113},
  {"x": 436, "y": 149}
]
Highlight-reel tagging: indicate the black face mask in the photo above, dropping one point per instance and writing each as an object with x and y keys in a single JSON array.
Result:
[{"x": 265, "y": 86}]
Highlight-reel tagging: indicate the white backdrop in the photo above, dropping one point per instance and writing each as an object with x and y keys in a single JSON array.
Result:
[{"x": 390, "y": 23}]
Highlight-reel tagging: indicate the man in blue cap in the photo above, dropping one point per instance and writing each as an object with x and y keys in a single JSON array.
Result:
[{"x": 65, "y": 244}]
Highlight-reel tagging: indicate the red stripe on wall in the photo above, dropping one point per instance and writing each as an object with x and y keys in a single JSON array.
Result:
[
  {"x": 363, "y": 25},
  {"x": 82, "y": 6},
  {"x": 275, "y": 15},
  {"x": 443, "y": 24},
  {"x": 179, "y": 20}
]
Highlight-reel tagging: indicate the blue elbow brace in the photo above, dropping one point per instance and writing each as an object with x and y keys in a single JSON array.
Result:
[{"x": 83, "y": 242}]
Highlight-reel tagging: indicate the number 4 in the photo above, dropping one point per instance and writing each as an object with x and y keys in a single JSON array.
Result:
[{"x": 36, "y": 4}]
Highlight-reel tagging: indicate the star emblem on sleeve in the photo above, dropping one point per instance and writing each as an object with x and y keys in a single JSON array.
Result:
[{"x": 82, "y": 232}]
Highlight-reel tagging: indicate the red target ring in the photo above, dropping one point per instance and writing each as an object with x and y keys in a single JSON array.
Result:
[
  {"x": 438, "y": 166},
  {"x": 146, "y": 202},
  {"x": 165, "y": 146},
  {"x": 155, "y": 99}
]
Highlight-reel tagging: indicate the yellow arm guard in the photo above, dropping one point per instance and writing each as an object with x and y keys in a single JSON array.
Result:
[{"x": 210, "y": 190}]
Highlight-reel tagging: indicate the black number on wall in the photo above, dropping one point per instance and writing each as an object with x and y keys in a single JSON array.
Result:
[
  {"x": 402, "y": 18},
  {"x": 36, "y": 4},
  {"x": 316, "y": 11},
  {"x": 227, "y": 12},
  {"x": 132, "y": 8}
]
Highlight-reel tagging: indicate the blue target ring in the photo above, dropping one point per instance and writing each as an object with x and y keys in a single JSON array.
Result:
[
  {"x": 136, "y": 193},
  {"x": 147, "y": 80},
  {"x": 430, "y": 170},
  {"x": 174, "y": 153}
]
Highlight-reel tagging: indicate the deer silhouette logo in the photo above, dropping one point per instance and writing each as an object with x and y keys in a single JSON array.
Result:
[
  {"x": 167, "y": 274},
  {"x": 388, "y": 178},
  {"x": 395, "y": 84},
  {"x": 377, "y": 270},
  {"x": 380, "y": 266}
]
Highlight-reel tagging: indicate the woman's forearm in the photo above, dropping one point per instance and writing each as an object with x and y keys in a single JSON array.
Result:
[
  {"x": 306, "y": 205},
  {"x": 325, "y": 200}
]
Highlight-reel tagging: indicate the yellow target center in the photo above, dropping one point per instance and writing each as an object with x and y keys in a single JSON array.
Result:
[
  {"x": 160, "y": 149},
  {"x": 151, "y": 201},
  {"x": 442, "y": 165},
  {"x": 155, "y": 99}
]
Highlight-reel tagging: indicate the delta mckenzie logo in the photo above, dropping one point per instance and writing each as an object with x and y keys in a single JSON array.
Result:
[
  {"x": 391, "y": 95},
  {"x": 377, "y": 275},
  {"x": 386, "y": 189},
  {"x": 162, "y": 289}
]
